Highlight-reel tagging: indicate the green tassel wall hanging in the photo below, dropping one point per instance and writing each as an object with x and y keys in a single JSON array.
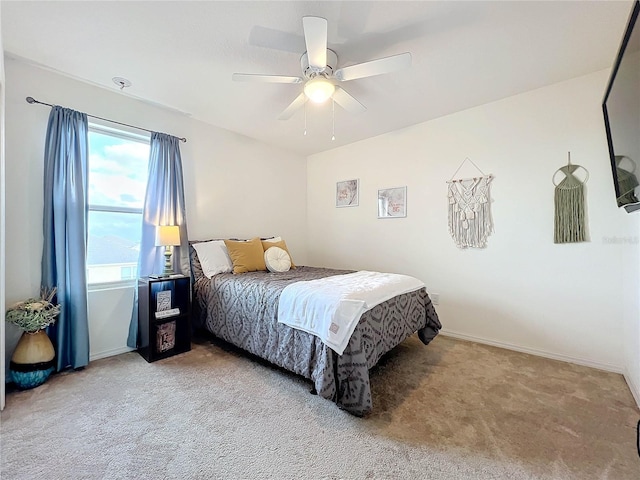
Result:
[{"x": 570, "y": 221}]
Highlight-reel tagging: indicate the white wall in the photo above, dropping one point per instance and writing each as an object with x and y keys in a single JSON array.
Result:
[
  {"x": 631, "y": 327},
  {"x": 522, "y": 291},
  {"x": 624, "y": 115},
  {"x": 2, "y": 226},
  {"x": 575, "y": 302},
  {"x": 234, "y": 186}
]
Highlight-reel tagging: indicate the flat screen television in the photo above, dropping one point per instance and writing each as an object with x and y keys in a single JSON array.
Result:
[{"x": 621, "y": 108}]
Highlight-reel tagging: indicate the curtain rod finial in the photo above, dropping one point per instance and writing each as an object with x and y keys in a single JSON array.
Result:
[{"x": 31, "y": 100}]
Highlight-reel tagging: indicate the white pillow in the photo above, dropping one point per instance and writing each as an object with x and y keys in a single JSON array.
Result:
[
  {"x": 277, "y": 259},
  {"x": 272, "y": 239},
  {"x": 213, "y": 257}
]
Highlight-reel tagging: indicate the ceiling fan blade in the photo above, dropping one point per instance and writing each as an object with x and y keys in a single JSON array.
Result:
[
  {"x": 315, "y": 36},
  {"x": 347, "y": 102},
  {"x": 293, "y": 106},
  {"x": 250, "y": 77},
  {"x": 374, "y": 67}
]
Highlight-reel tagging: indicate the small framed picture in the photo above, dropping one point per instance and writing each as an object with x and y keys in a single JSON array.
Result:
[
  {"x": 392, "y": 202},
  {"x": 347, "y": 194},
  {"x": 163, "y": 299}
]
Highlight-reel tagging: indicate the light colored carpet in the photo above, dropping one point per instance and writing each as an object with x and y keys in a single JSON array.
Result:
[{"x": 452, "y": 410}]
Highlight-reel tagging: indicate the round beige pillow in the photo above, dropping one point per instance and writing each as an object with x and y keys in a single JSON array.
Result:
[{"x": 277, "y": 260}]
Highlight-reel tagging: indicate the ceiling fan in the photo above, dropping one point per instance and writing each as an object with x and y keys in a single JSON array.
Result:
[{"x": 319, "y": 73}]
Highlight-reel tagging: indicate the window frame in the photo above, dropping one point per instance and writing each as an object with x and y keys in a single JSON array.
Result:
[{"x": 124, "y": 135}]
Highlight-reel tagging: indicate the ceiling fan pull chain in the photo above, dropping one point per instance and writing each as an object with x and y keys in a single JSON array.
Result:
[
  {"x": 333, "y": 119},
  {"x": 305, "y": 118}
]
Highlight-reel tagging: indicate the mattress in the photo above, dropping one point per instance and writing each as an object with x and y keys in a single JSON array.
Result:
[{"x": 242, "y": 310}]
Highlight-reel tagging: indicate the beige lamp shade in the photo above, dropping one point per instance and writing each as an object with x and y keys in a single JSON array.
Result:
[{"x": 167, "y": 235}]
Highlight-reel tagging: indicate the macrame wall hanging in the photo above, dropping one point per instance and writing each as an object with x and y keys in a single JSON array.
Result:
[
  {"x": 570, "y": 221},
  {"x": 470, "y": 222}
]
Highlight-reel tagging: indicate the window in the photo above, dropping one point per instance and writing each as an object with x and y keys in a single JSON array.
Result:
[{"x": 118, "y": 170}]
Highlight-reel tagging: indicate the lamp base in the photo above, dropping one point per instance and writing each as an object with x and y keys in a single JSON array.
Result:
[{"x": 168, "y": 269}]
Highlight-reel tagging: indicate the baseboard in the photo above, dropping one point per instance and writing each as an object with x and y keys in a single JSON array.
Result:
[
  {"x": 534, "y": 351},
  {"x": 635, "y": 390},
  {"x": 110, "y": 353},
  {"x": 92, "y": 357}
]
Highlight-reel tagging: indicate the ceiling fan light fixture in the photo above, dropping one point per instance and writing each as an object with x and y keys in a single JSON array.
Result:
[{"x": 319, "y": 89}]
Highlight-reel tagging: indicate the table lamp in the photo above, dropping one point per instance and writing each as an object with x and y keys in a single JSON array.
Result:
[{"x": 167, "y": 236}]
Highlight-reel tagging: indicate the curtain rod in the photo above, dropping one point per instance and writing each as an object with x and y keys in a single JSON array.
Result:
[{"x": 33, "y": 100}]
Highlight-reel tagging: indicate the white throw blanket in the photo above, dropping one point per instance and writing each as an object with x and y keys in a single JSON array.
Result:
[{"x": 331, "y": 307}]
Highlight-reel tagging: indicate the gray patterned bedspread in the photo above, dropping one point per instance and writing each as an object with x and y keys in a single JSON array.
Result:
[{"x": 242, "y": 310}]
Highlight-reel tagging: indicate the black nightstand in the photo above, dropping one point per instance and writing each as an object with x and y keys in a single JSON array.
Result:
[{"x": 164, "y": 316}]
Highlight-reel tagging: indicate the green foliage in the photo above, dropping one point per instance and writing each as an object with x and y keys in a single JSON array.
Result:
[{"x": 34, "y": 314}]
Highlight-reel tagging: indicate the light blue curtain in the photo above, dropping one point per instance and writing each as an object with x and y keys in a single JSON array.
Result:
[
  {"x": 64, "y": 253},
  {"x": 163, "y": 205}
]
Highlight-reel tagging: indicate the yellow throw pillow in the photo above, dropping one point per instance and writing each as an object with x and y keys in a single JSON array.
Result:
[
  {"x": 281, "y": 244},
  {"x": 246, "y": 256}
]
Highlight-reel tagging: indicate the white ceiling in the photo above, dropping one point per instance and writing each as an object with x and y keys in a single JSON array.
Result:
[{"x": 182, "y": 54}]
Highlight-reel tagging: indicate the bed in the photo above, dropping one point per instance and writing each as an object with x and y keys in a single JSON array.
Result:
[{"x": 242, "y": 309}]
